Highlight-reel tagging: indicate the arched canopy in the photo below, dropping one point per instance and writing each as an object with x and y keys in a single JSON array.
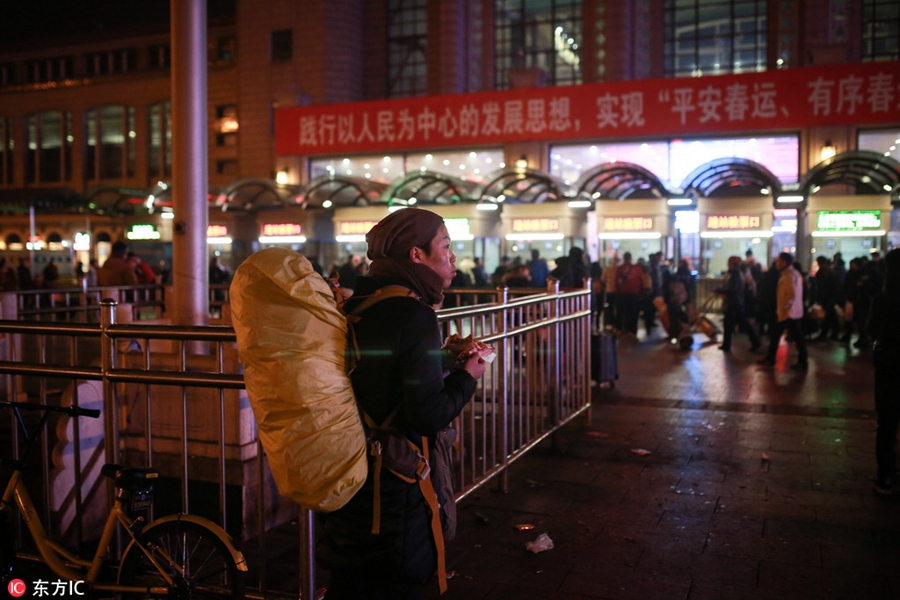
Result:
[
  {"x": 619, "y": 181},
  {"x": 868, "y": 172},
  {"x": 520, "y": 187},
  {"x": 729, "y": 177},
  {"x": 341, "y": 191},
  {"x": 429, "y": 187},
  {"x": 112, "y": 199},
  {"x": 255, "y": 194},
  {"x": 160, "y": 198}
]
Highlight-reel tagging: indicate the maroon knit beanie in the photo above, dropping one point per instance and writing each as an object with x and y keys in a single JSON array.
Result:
[{"x": 390, "y": 242}]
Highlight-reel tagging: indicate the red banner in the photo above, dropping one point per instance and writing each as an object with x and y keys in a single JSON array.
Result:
[{"x": 858, "y": 94}]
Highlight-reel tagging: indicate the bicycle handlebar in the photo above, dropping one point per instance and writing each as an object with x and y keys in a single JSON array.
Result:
[{"x": 72, "y": 411}]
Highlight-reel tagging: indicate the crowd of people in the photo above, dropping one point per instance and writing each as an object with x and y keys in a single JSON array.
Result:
[
  {"x": 832, "y": 302},
  {"x": 20, "y": 278}
]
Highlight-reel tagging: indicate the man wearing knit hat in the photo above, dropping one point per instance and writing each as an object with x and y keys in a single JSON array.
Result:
[{"x": 400, "y": 371}]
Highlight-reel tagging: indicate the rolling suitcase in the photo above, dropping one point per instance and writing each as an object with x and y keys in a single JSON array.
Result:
[{"x": 604, "y": 361}]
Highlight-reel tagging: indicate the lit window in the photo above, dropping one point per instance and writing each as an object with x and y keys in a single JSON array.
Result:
[
  {"x": 407, "y": 72},
  {"x": 538, "y": 35},
  {"x": 704, "y": 38},
  {"x": 880, "y": 30}
]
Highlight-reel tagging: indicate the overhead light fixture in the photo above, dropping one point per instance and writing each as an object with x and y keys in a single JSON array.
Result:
[
  {"x": 828, "y": 150},
  {"x": 867, "y": 233},
  {"x": 580, "y": 203},
  {"x": 327, "y": 204},
  {"x": 220, "y": 240},
  {"x": 630, "y": 235},
  {"x": 281, "y": 178},
  {"x": 679, "y": 201},
  {"x": 522, "y": 163},
  {"x": 349, "y": 239},
  {"x": 789, "y": 199},
  {"x": 534, "y": 236},
  {"x": 486, "y": 206},
  {"x": 282, "y": 239},
  {"x": 737, "y": 233}
]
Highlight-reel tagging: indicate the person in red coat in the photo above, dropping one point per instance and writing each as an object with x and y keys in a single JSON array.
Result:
[{"x": 629, "y": 283}]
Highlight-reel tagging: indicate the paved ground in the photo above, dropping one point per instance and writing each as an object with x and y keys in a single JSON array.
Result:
[{"x": 757, "y": 485}]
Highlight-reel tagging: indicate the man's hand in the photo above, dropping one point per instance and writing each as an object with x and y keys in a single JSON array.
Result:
[{"x": 475, "y": 366}]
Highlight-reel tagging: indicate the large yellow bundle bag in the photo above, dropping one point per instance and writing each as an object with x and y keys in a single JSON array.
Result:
[{"x": 291, "y": 340}]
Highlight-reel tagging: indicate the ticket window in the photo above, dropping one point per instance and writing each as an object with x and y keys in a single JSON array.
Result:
[
  {"x": 549, "y": 250},
  {"x": 638, "y": 249},
  {"x": 854, "y": 234},
  {"x": 849, "y": 247},
  {"x": 720, "y": 249}
]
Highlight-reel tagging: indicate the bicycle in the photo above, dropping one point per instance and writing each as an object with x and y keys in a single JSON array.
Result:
[{"x": 179, "y": 556}]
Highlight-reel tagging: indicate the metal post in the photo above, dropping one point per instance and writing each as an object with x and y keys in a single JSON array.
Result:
[
  {"x": 189, "y": 162},
  {"x": 307, "y": 554},
  {"x": 107, "y": 362},
  {"x": 585, "y": 338},
  {"x": 555, "y": 387},
  {"x": 505, "y": 365},
  {"x": 110, "y": 413}
]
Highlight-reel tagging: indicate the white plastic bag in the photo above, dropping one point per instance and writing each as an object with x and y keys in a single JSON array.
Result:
[{"x": 540, "y": 543}]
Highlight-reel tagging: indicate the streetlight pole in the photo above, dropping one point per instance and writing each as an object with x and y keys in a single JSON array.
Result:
[{"x": 190, "y": 183}]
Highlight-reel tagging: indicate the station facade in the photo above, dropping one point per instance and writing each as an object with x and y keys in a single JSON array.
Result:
[{"x": 634, "y": 125}]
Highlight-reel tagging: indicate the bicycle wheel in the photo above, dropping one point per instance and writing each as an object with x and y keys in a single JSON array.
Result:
[{"x": 193, "y": 556}]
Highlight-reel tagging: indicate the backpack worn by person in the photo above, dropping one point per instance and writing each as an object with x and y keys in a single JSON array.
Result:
[{"x": 292, "y": 342}]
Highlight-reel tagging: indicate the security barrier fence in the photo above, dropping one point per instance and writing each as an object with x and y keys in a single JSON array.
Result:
[{"x": 173, "y": 397}]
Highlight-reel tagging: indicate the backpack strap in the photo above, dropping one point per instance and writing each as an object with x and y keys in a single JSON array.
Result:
[
  {"x": 427, "y": 487},
  {"x": 354, "y": 316},
  {"x": 388, "y": 291},
  {"x": 423, "y": 477},
  {"x": 376, "y": 450}
]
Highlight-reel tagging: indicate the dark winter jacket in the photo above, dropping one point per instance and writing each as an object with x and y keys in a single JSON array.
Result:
[
  {"x": 734, "y": 292},
  {"x": 827, "y": 289},
  {"x": 400, "y": 363}
]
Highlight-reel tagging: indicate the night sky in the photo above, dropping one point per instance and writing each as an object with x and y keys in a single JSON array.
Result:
[{"x": 24, "y": 21}]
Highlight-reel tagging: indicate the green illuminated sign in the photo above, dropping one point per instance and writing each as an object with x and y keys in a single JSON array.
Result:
[
  {"x": 848, "y": 220},
  {"x": 142, "y": 232}
]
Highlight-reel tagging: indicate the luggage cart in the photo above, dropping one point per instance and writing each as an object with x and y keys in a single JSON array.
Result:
[{"x": 698, "y": 322}]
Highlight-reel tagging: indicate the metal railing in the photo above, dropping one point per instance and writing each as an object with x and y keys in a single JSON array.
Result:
[
  {"x": 173, "y": 397},
  {"x": 82, "y": 303}
]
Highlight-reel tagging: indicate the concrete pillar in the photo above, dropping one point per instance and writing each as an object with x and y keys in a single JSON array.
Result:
[{"x": 189, "y": 162}]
